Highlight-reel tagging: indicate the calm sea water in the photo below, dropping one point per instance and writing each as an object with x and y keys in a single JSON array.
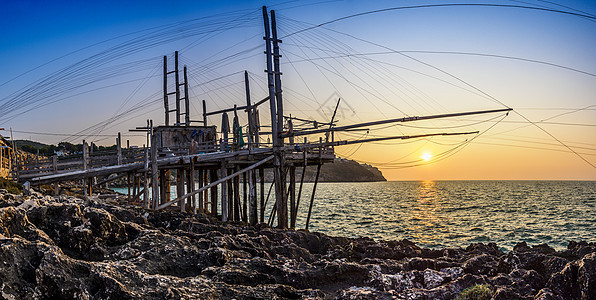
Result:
[{"x": 455, "y": 213}]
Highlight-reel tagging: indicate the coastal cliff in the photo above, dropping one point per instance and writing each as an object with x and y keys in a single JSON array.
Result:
[
  {"x": 341, "y": 170},
  {"x": 68, "y": 248}
]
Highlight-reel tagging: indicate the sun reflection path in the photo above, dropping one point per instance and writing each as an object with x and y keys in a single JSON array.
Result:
[{"x": 425, "y": 222}]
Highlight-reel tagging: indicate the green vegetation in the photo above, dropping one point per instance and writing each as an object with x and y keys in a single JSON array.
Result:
[
  {"x": 49, "y": 150},
  {"x": 477, "y": 292},
  {"x": 11, "y": 186}
]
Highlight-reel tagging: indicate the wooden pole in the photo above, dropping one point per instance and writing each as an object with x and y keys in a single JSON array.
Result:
[
  {"x": 398, "y": 120},
  {"x": 257, "y": 127},
  {"x": 201, "y": 203},
  {"x": 236, "y": 183},
  {"x": 249, "y": 111},
  {"x": 190, "y": 186},
  {"x": 245, "y": 197},
  {"x": 204, "y": 113},
  {"x": 186, "y": 100},
  {"x": 277, "y": 74},
  {"x": 224, "y": 194},
  {"x": 166, "y": 103},
  {"x": 292, "y": 192},
  {"x": 180, "y": 187},
  {"x": 177, "y": 78},
  {"x": 206, "y": 199},
  {"x": 146, "y": 180},
  {"x": 282, "y": 214},
  {"x": 312, "y": 197},
  {"x": 55, "y": 169},
  {"x": 119, "y": 148},
  {"x": 15, "y": 157},
  {"x": 278, "y": 164},
  {"x": 262, "y": 179},
  {"x": 225, "y": 128},
  {"x": 128, "y": 185},
  {"x": 295, "y": 212},
  {"x": 270, "y": 82},
  {"x": 154, "y": 168},
  {"x": 213, "y": 176},
  {"x": 85, "y": 166},
  {"x": 252, "y": 198},
  {"x": 290, "y": 130}
]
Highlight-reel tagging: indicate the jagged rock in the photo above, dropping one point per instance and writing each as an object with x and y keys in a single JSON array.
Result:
[
  {"x": 65, "y": 248},
  {"x": 482, "y": 264}
]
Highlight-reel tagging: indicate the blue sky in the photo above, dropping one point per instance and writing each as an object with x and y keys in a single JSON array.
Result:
[{"x": 341, "y": 59}]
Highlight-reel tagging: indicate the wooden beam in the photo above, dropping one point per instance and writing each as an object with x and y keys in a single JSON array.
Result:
[{"x": 404, "y": 119}]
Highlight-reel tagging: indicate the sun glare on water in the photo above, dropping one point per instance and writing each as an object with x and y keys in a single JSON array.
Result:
[{"x": 426, "y": 156}]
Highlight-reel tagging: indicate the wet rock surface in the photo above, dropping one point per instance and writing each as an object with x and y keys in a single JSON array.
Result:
[{"x": 68, "y": 248}]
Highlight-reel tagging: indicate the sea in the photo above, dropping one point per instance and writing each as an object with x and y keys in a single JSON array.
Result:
[{"x": 438, "y": 214}]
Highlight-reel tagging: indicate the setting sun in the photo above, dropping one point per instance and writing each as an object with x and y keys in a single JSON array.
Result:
[{"x": 426, "y": 156}]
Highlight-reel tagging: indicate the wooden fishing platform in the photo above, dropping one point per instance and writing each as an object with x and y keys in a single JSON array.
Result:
[{"x": 215, "y": 171}]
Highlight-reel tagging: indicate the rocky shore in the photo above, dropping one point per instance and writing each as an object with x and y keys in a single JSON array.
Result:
[{"x": 68, "y": 248}]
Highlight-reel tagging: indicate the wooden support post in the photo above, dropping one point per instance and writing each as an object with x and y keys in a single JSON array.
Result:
[
  {"x": 119, "y": 148},
  {"x": 167, "y": 186},
  {"x": 177, "y": 78},
  {"x": 128, "y": 175},
  {"x": 275, "y": 128},
  {"x": 291, "y": 130},
  {"x": 244, "y": 198},
  {"x": 225, "y": 128},
  {"x": 236, "y": 182},
  {"x": 134, "y": 183},
  {"x": 190, "y": 185},
  {"x": 186, "y": 100},
  {"x": 201, "y": 203},
  {"x": 257, "y": 127},
  {"x": 295, "y": 212},
  {"x": 55, "y": 171},
  {"x": 252, "y": 198},
  {"x": 224, "y": 194},
  {"x": 146, "y": 180},
  {"x": 154, "y": 169},
  {"x": 282, "y": 200},
  {"x": 270, "y": 82},
  {"x": 277, "y": 74},
  {"x": 166, "y": 103},
  {"x": 213, "y": 177},
  {"x": 85, "y": 167},
  {"x": 249, "y": 110},
  {"x": 292, "y": 192},
  {"x": 180, "y": 187},
  {"x": 206, "y": 199},
  {"x": 312, "y": 197},
  {"x": 163, "y": 186},
  {"x": 262, "y": 182},
  {"x": 204, "y": 113}
]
